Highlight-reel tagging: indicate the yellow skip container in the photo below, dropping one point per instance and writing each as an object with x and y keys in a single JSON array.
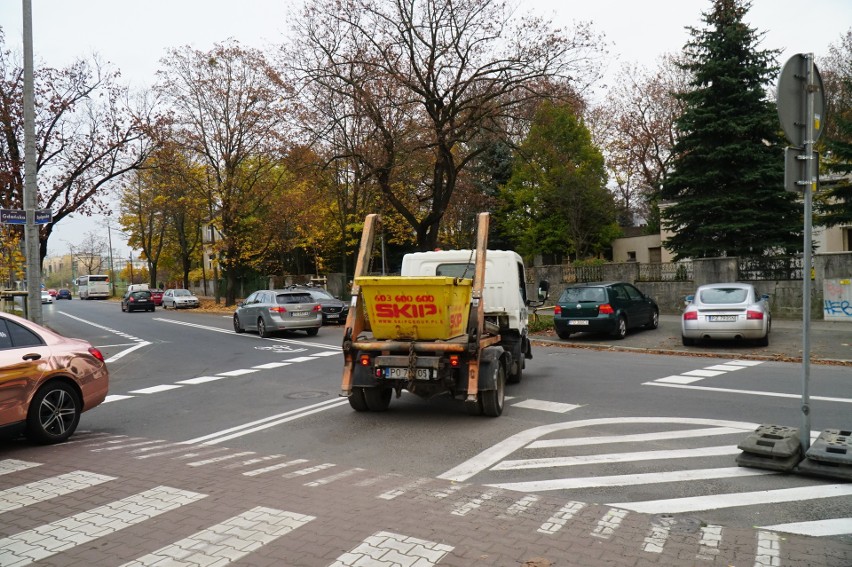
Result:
[{"x": 416, "y": 308}]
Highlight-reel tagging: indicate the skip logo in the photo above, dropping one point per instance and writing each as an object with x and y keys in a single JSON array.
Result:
[{"x": 406, "y": 310}]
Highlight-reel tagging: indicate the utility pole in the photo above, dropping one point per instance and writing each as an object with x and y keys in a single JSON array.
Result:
[{"x": 31, "y": 230}]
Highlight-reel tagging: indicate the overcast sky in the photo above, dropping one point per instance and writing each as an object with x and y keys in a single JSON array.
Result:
[{"x": 134, "y": 35}]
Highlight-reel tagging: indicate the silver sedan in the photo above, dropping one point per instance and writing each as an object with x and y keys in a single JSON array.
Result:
[{"x": 726, "y": 311}]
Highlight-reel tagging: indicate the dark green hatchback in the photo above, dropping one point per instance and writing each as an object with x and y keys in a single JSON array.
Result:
[{"x": 604, "y": 307}]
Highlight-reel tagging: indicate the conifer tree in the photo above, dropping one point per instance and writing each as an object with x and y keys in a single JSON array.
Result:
[{"x": 726, "y": 194}]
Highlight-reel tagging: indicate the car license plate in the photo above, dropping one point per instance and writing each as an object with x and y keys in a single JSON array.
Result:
[
  {"x": 578, "y": 322},
  {"x": 422, "y": 373},
  {"x": 722, "y": 318},
  {"x": 299, "y": 313}
]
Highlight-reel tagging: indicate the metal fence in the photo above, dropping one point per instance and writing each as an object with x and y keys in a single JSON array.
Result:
[{"x": 774, "y": 268}]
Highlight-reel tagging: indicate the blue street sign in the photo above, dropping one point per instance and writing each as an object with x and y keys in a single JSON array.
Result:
[
  {"x": 13, "y": 216},
  {"x": 43, "y": 216}
]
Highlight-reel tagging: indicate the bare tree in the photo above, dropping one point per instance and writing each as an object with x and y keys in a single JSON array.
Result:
[
  {"x": 88, "y": 134},
  {"x": 89, "y": 254},
  {"x": 426, "y": 78}
]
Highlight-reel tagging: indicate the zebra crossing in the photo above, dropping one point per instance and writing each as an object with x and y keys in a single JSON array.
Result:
[{"x": 260, "y": 524}]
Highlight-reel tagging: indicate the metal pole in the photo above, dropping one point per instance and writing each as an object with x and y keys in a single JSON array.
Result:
[
  {"x": 810, "y": 177},
  {"x": 111, "y": 271},
  {"x": 30, "y": 185}
]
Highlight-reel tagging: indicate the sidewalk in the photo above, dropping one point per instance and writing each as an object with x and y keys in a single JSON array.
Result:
[{"x": 830, "y": 342}]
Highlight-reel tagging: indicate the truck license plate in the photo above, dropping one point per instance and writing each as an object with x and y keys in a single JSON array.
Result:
[{"x": 402, "y": 373}]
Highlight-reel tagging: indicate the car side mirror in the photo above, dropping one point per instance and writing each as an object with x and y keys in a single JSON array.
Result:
[
  {"x": 689, "y": 299},
  {"x": 764, "y": 297}
]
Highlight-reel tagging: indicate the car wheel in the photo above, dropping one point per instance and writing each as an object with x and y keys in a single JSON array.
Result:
[
  {"x": 687, "y": 341},
  {"x": 357, "y": 401},
  {"x": 54, "y": 413},
  {"x": 312, "y": 332},
  {"x": 377, "y": 399},
  {"x": 620, "y": 328},
  {"x": 261, "y": 328},
  {"x": 237, "y": 327},
  {"x": 492, "y": 400},
  {"x": 563, "y": 334},
  {"x": 655, "y": 320}
]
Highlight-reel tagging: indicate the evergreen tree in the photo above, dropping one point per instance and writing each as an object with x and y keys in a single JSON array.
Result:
[{"x": 726, "y": 190}]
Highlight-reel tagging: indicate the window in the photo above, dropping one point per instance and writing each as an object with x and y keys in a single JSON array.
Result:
[
  {"x": 634, "y": 293},
  {"x": 20, "y": 336},
  {"x": 456, "y": 270},
  {"x": 631, "y": 256}
]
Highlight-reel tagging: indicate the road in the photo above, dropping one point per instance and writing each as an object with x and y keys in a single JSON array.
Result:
[{"x": 643, "y": 434}]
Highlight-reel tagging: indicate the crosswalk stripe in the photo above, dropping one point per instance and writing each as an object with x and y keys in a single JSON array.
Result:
[
  {"x": 520, "y": 506},
  {"x": 636, "y": 437},
  {"x": 656, "y": 539},
  {"x": 45, "y": 489},
  {"x": 130, "y": 446},
  {"x": 630, "y": 479},
  {"x": 227, "y": 541},
  {"x": 219, "y": 459},
  {"x": 464, "y": 508},
  {"x": 309, "y": 470},
  {"x": 768, "y": 550},
  {"x": 413, "y": 485},
  {"x": 8, "y": 466},
  {"x": 615, "y": 458},
  {"x": 717, "y": 501},
  {"x": 274, "y": 467},
  {"x": 708, "y": 545},
  {"x": 818, "y": 528},
  {"x": 557, "y": 521},
  {"x": 609, "y": 523},
  {"x": 49, "y": 539},
  {"x": 334, "y": 477},
  {"x": 388, "y": 548}
]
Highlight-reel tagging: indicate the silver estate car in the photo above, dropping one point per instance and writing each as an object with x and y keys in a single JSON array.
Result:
[
  {"x": 271, "y": 310},
  {"x": 726, "y": 311}
]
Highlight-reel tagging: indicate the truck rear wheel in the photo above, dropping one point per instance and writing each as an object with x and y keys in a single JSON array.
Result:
[
  {"x": 378, "y": 399},
  {"x": 492, "y": 400},
  {"x": 356, "y": 400}
]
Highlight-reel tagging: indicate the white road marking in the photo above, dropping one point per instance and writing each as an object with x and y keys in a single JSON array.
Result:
[
  {"x": 299, "y": 359},
  {"x": 124, "y": 353},
  {"x": 464, "y": 508},
  {"x": 334, "y": 477},
  {"x": 495, "y": 453},
  {"x": 561, "y": 518},
  {"x": 635, "y": 437},
  {"x": 271, "y": 365},
  {"x": 542, "y": 405},
  {"x": 768, "y": 550},
  {"x": 228, "y": 541},
  {"x": 708, "y": 545},
  {"x": 200, "y": 380},
  {"x": 655, "y": 541},
  {"x": 115, "y": 398},
  {"x": 238, "y": 372},
  {"x": 547, "y": 462},
  {"x": 818, "y": 528},
  {"x": 678, "y": 379},
  {"x": 725, "y": 367},
  {"x": 309, "y": 470},
  {"x": 745, "y": 362},
  {"x": 609, "y": 523},
  {"x": 387, "y": 548},
  {"x": 266, "y": 423},
  {"x": 414, "y": 484},
  {"x": 749, "y": 392},
  {"x": 520, "y": 507},
  {"x": 8, "y": 466},
  {"x": 246, "y": 335},
  {"x": 47, "y": 540},
  {"x": 156, "y": 389},
  {"x": 703, "y": 373},
  {"x": 630, "y": 479},
  {"x": 219, "y": 459},
  {"x": 45, "y": 489},
  {"x": 275, "y": 467},
  {"x": 733, "y": 500}
]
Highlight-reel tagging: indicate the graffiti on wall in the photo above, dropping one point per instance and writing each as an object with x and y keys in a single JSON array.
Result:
[{"x": 837, "y": 296}]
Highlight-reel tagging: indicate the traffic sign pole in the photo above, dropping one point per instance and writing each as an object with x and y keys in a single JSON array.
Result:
[{"x": 30, "y": 188}]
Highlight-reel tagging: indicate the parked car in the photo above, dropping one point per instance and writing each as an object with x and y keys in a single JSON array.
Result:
[
  {"x": 157, "y": 296},
  {"x": 268, "y": 311},
  {"x": 46, "y": 380},
  {"x": 179, "y": 299},
  {"x": 46, "y": 297},
  {"x": 63, "y": 293},
  {"x": 732, "y": 311},
  {"x": 139, "y": 300},
  {"x": 52, "y": 292},
  {"x": 604, "y": 307},
  {"x": 333, "y": 310}
]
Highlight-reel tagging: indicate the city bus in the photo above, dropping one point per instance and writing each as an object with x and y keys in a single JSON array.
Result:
[{"x": 93, "y": 286}]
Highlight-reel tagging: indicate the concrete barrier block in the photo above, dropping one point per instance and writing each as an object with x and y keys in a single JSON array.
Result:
[
  {"x": 773, "y": 441},
  {"x": 780, "y": 464},
  {"x": 832, "y": 446},
  {"x": 825, "y": 469}
]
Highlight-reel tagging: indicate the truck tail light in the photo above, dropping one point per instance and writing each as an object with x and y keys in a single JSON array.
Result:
[
  {"x": 690, "y": 316},
  {"x": 454, "y": 360},
  {"x": 606, "y": 309},
  {"x": 750, "y": 314},
  {"x": 364, "y": 360}
]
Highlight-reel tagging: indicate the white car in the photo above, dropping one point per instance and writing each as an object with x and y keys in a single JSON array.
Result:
[
  {"x": 46, "y": 297},
  {"x": 726, "y": 311},
  {"x": 179, "y": 299}
]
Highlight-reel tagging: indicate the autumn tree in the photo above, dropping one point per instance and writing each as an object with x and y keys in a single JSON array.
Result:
[
  {"x": 229, "y": 113},
  {"x": 88, "y": 134},
  {"x": 556, "y": 201},
  {"x": 726, "y": 187},
  {"x": 422, "y": 79},
  {"x": 635, "y": 126},
  {"x": 834, "y": 207}
]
